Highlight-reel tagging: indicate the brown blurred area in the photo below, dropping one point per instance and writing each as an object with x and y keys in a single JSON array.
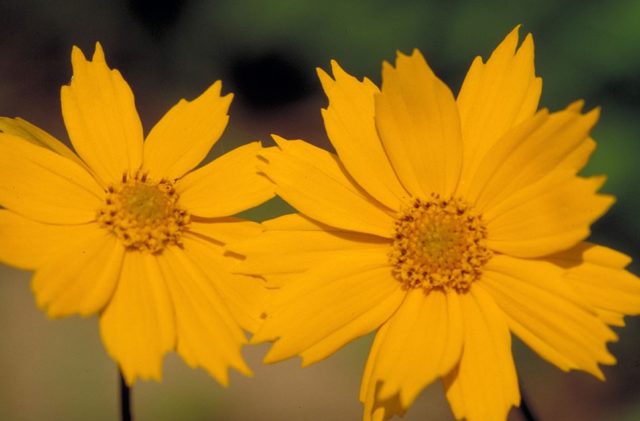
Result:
[{"x": 266, "y": 54}]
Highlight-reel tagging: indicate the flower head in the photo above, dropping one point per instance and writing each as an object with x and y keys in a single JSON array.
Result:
[
  {"x": 128, "y": 229},
  {"x": 444, "y": 224}
]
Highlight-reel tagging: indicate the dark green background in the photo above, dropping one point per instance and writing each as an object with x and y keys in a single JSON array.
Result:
[{"x": 266, "y": 53}]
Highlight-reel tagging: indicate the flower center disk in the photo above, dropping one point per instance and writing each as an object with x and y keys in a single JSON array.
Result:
[
  {"x": 144, "y": 214},
  {"x": 439, "y": 243}
]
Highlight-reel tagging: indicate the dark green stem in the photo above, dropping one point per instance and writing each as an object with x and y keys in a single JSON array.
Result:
[{"x": 125, "y": 399}]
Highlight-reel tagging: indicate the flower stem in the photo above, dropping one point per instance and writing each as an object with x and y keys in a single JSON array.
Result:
[
  {"x": 524, "y": 407},
  {"x": 125, "y": 399}
]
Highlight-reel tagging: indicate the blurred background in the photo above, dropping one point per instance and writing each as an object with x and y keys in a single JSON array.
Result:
[{"x": 266, "y": 53}]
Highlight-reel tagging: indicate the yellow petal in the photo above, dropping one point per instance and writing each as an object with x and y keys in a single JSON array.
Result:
[
  {"x": 81, "y": 275},
  {"x": 585, "y": 251},
  {"x": 184, "y": 136},
  {"x": 369, "y": 320},
  {"x": 369, "y": 379},
  {"x": 552, "y": 214},
  {"x": 224, "y": 230},
  {"x": 610, "y": 318},
  {"x": 314, "y": 182},
  {"x": 25, "y": 130},
  {"x": 101, "y": 117},
  {"x": 304, "y": 243},
  {"x": 278, "y": 280},
  {"x": 548, "y": 314},
  {"x": 495, "y": 97},
  {"x": 258, "y": 256},
  {"x": 245, "y": 296},
  {"x": 418, "y": 123},
  {"x": 28, "y": 244},
  {"x": 227, "y": 185},
  {"x": 207, "y": 334},
  {"x": 350, "y": 124},
  {"x": 377, "y": 409},
  {"x": 42, "y": 185},
  {"x": 295, "y": 222},
  {"x": 484, "y": 385},
  {"x": 529, "y": 152},
  {"x": 138, "y": 325},
  {"x": 423, "y": 343},
  {"x": 598, "y": 274},
  {"x": 579, "y": 157},
  {"x": 384, "y": 410},
  {"x": 327, "y": 298}
]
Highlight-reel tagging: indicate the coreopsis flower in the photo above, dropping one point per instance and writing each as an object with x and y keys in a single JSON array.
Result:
[
  {"x": 445, "y": 225},
  {"x": 128, "y": 229}
]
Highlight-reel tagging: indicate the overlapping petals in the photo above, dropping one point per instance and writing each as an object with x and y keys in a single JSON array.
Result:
[
  {"x": 41, "y": 185},
  {"x": 243, "y": 295},
  {"x": 349, "y": 122},
  {"x": 484, "y": 385},
  {"x": 495, "y": 97},
  {"x": 367, "y": 297},
  {"x": 586, "y": 266},
  {"x": 316, "y": 184},
  {"x": 31, "y": 133},
  {"x": 207, "y": 334},
  {"x": 423, "y": 342},
  {"x": 82, "y": 276},
  {"x": 29, "y": 244},
  {"x": 306, "y": 243},
  {"x": 547, "y": 314},
  {"x": 232, "y": 176},
  {"x": 138, "y": 327}
]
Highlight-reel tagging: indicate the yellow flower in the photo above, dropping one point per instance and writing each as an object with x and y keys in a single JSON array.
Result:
[
  {"x": 126, "y": 229},
  {"x": 445, "y": 224}
]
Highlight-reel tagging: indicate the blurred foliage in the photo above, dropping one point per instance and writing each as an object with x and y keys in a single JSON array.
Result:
[{"x": 266, "y": 52}]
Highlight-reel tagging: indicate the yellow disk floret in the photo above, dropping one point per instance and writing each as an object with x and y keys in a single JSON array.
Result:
[
  {"x": 439, "y": 243},
  {"x": 144, "y": 214}
]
